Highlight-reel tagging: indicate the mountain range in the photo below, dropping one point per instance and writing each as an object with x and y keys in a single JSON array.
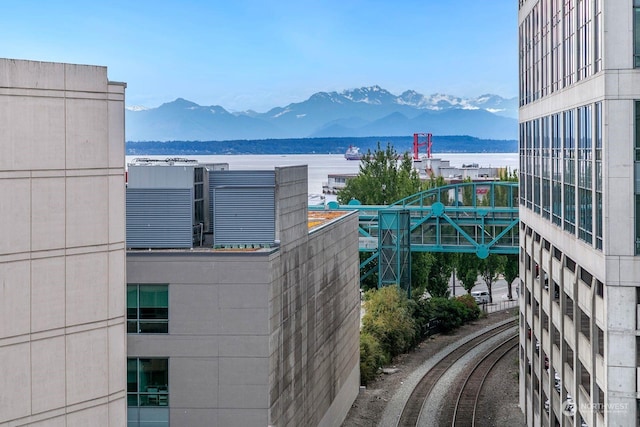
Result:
[{"x": 363, "y": 112}]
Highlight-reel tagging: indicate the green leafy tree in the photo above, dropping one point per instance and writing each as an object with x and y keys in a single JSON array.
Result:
[
  {"x": 371, "y": 281},
  {"x": 435, "y": 182},
  {"x": 420, "y": 267},
  {"x": 384, "y": 178},
  {"x": 468, "y": 268},
  {"x": 503, "y": 196},
  {"x": 511, "y": 271},
  {"x": 469, "y": 197},
  {"x": 440, "y": 268},
  {"x": 490, "y": 268},
  {"x": 506, "y": 174}
]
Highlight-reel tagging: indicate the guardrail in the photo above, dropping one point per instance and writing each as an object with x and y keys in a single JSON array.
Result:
[{"x": 498, "y": 306}]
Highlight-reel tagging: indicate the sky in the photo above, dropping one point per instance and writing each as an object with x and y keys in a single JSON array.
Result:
[{"x": 260, "y": 54}]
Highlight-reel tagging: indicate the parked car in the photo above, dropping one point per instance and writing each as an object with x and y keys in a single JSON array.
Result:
[{"x": 481, "y": 297}]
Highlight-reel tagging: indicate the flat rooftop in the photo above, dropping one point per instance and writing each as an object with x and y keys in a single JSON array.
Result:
[{"x": 315, "y": 219}]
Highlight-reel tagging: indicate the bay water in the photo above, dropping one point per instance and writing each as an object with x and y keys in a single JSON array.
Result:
[{"x": 319, "y": 166}]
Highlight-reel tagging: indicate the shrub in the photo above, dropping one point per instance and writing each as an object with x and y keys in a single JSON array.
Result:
[
  {"x": 447, "y": 312},
  {"x": 389, "y": 318},
  {"x": 451, "y": 313},
  {"x": 423, "y": 316},
  {"x": 371, "y": 357},
  {"x": 472, "y": 311},
  {"x": 393, "y": 324}
]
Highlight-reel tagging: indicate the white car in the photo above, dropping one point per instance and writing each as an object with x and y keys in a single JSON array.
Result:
[{"x": 481, "y": 297}]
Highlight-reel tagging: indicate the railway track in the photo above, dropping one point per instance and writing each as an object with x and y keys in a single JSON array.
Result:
[
  {"x": 413, "y": 406},
  {"x": 467, "y": 402}
]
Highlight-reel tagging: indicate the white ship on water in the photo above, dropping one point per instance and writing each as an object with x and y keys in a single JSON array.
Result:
[{"x": 426, "y": 165}]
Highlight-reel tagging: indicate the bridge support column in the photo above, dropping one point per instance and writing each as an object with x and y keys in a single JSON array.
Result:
[{"x": 394, "y": 248}]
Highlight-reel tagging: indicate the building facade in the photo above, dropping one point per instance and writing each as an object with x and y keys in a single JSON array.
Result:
[
  {"x": 246, "y": 333},
  {"x": 62, "y": 251},
  {"x": 579, "y": 212}
]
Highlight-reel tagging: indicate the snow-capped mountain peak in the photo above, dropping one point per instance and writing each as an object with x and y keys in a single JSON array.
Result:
[
  {"x": 137, "y": 108},
  {"x": 369, "y": 95},
  {"x": 364, "y": 111}
]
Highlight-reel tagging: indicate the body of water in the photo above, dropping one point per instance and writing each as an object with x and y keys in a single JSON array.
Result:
[{"x": 321, "y": 165}]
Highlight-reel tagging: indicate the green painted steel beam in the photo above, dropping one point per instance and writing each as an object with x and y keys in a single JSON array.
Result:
[{"x": 438, "y": 217}]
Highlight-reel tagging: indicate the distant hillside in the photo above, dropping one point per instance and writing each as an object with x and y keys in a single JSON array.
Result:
[
  {"x": 363, "y": 112},
  {"x": 328, "y": 145}
]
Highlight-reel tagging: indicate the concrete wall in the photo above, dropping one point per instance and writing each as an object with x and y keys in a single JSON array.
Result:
[
  {"x": 62, "y": 331},
  {"x": 260, "y": 337},
  {"x": 218, "y": 341},
  {"x": 314, "y": 364}
]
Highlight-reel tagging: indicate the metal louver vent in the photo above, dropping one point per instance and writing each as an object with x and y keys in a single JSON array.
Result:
[
  {"x": 242, "y": 205},
  {"x": 159, "y": 218}
]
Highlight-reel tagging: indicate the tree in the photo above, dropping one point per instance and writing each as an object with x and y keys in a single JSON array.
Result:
[
  {"x": 384, "y": 178},
  {"x": 490, "y": 269},
  {"x": 440, "y": 267},
  {"x": 435, "y": 182},
  {"x": 511, "y": 271},
  {"x": 469, "y": 197},
  {"x": 502, "y": 196},
  {"x": 468, "y": 266},
  {"x": 420, "y": 267}
]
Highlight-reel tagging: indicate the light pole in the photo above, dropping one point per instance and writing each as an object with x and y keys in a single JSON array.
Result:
[{"x": 453, "y": 283}]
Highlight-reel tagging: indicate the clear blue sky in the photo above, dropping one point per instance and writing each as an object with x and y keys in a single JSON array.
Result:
[{"x": 259, "y": 54}]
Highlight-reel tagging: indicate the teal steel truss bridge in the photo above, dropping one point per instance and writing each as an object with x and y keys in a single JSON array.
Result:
[{"x": 470, "y": 217}]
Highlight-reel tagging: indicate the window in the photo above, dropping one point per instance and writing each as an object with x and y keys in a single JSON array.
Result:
[
  {"x": 556, "y": 168},
  {"x": 147, "y": 309},
  {"x": 569, "y": 172},
  {"x": 637, "y": 175},
  {"x": 600, "y": 338},
  {"x": 598, "y": 174},
  {"x": 569, "y": 42},
  {"x": 147, "y": 382},
  {"x": 585, "y": 172},
  {"x": 636, "y": 33},
  {"x": 584, "y": 38},
  {"x": 597, "y": 40},
  {"x": 148, "y": 392}
]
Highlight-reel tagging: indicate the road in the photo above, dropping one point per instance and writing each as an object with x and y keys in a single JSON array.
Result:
[{"x": 498, "y": 290}]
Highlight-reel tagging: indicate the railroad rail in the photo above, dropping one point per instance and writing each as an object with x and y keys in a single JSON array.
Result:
[
  {"x": 466, "y": 407},
  {"x": 412, "y": 408}
]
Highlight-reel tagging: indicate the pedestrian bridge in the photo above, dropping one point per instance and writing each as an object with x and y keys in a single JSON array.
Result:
[{"x": 470, "y": 217}]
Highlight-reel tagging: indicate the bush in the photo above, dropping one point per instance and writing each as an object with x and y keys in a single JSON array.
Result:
[
  {"x": 453, "y": 312},
  {"x": 472, "y": 311},
  {"x": 447, "y": 312},
  {"x": 389, "y": 319},
  {"x": 393, "y": 324},
  {"x": 423, "y": 317},
  {"x": 371, "y": 357}
]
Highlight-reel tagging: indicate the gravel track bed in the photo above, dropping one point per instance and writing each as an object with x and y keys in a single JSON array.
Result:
[
  {"x": 499, "y": 396},
  {"x": 371, "y": 405},
  {"x": 438, "y": 409}
]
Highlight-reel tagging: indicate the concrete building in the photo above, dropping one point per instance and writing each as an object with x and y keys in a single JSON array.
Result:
[
  {"x": 580, "y": 212},
  {"x": 62, "y": 252},
  {"x": 246, "y": 333}
]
